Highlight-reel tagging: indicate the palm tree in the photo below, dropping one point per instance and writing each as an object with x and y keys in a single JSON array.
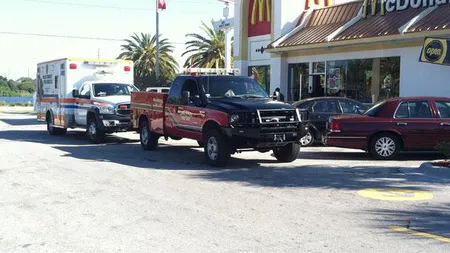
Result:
[
  {"x": 142, "y": 51},
  {"x": 208, "y": 51}
]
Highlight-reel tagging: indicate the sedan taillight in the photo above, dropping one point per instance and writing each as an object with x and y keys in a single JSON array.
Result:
[{"x": 334, "y": 126}]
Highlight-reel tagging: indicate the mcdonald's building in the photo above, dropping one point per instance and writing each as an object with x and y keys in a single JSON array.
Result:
[{"x": 367, "y": 50}]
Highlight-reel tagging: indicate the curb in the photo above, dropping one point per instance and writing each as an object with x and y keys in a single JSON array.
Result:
[{"x": 428, "y": 169}]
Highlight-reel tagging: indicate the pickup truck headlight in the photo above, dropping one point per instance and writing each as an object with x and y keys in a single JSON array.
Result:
[
  {"x": 234, "y": 118},
  {"x": 106, "y": 109}
]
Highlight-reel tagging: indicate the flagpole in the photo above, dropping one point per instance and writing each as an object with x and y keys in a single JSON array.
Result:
[{"x": 157, "y": 43}]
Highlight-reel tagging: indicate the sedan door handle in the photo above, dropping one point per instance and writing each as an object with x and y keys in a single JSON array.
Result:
[
  {"x": 402, "y": 124},
  {"x": 445, "y": 124}
]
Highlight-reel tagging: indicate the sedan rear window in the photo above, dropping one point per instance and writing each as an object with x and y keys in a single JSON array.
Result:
[{"x": 414, "y": 109}]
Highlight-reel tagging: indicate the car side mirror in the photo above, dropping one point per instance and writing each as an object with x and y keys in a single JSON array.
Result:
[
  {"x": 185, "y": 97},
  {"x": 75, "y": 93}
]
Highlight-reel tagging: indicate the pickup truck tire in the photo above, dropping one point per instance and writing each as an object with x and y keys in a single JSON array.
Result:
[
  {"x": 149, "y": 140},
  {"x": 54, "y": 130},
  {"x": 217, "y": 148},
  {"x": 94, "y": 133},
  {"x": 384, "y": 146},
  {"x": 288, "y": 153}
]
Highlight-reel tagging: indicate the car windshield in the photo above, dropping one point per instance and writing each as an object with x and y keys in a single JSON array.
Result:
[
  {"x": 372, "y": 111},
  {"x": 233, "y": 86},
  {"x": 113, "y": 89}
]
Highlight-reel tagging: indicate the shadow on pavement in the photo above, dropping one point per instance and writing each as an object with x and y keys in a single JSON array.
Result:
[
  {"x": 72, "y": 137},
  {"x": 424, "y": 218},
  {"x": 21, "y": 121},
  {"x": 360, "y": 156}
]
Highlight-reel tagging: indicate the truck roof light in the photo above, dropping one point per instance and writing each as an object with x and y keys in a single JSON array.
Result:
[
  {"x": 212, "y": 71},
  {"x": 73, "y": 66},
  {"x": 127, "y": 68}
]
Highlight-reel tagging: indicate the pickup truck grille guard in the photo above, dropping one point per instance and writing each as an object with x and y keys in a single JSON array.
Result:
[{"x": 271, "y": 120}]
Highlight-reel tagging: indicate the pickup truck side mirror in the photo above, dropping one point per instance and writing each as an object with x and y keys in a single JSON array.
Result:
[
  {"x": 75, "y": 93},
  {"x": 185, "y": 97},
  {"x": 197, "y": 101}
]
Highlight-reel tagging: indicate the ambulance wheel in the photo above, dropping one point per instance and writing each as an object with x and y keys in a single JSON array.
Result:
[
  {"x": 54, "y": 130},
  {"x": 149, "y": 140},
  {"x": 94, "y": 133},
  {"x": 217, "y": 149}
]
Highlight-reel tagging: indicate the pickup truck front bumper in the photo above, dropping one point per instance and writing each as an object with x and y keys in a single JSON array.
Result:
[
  {"x": 263, "y": 138},
  {"x": 112, "y": 123}
]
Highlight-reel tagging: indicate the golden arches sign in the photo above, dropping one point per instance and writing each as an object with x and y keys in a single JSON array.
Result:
[
  {"x": 318, "y": 3},
  {"x": 258, "y": 11}
]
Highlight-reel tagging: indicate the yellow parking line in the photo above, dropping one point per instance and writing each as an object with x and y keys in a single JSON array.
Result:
[{"x": 414, "y": 232}]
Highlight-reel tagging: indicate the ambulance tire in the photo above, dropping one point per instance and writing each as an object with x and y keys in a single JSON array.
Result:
[
  {"x": 149, "y": 140},
  {"x": 95, "y": 135},
  {"x": 54, "y": 130}
]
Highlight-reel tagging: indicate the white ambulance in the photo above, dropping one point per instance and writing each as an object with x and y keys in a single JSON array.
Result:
[{"x": 93, "y": 94}]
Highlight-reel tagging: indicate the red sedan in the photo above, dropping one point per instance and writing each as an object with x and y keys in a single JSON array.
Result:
[{"x": 394, "y": 125}]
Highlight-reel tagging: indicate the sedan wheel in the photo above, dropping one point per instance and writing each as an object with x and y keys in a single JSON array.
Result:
[
  {"x": 385, "y": 146},
  {"x": 308, "y": 139}
]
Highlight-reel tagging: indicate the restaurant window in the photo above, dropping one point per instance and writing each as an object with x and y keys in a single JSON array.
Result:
[
  {"x": 365, "y": 80},
  {"x": 298, "y": 81},
  {"x": 262, "y": 75}
]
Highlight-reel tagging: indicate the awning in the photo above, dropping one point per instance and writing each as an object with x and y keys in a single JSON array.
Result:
[{"x": 354, "y": 22}]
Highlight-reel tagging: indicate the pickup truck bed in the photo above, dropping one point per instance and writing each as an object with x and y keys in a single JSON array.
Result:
[{"x": 150, "y": 105}]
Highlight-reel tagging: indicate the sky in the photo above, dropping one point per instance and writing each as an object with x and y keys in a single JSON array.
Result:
[{"x": 112, "y": 20}]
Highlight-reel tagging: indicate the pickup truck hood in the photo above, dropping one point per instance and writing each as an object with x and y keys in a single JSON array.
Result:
[
  {"x": 233, "y": 104},
  {"x": 113, "y": 100}
]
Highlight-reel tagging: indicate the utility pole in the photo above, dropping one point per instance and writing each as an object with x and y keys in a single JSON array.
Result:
[
  {"x": 98, "y": 53},
  {"x": 157, "y": 44},
  {"x": 227, "y": 26}
]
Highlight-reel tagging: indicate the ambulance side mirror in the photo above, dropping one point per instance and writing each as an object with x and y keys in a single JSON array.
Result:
[{"x": 75, "y": 93}]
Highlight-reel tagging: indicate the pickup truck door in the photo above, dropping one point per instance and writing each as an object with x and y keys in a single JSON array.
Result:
[{"x": 83, "y": 104}]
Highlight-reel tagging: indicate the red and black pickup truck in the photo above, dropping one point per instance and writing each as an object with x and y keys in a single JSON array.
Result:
[{"x": 224, "y": 113}]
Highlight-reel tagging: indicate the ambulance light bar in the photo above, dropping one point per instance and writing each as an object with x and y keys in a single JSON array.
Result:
[
  {"x": 218, "y": 71},
  {"x": 99, "y": 63}
]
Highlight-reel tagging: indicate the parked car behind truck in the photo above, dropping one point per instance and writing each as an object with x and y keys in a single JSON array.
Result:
[
  {"x": 392, "y": 126},
  {"x": 225, "y": 113},
  {"x": 93, "y": 94}
]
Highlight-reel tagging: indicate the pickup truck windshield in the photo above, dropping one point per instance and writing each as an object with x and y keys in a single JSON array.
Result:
[
  {"x": 112, "y": 89},
  {"x": 234, "y": 86}
]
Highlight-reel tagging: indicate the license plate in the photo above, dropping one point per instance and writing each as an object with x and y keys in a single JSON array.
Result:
[{"x": 279, "y": 137}]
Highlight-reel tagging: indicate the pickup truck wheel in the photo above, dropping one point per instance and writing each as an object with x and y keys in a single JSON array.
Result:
[
  {"x": 308, "y": 139},
  {"x": 217, "y": 149},
  {"x": 149, "y": 140},
  {"x": 288, "y": 153},
  {"x": 384, "y": 146},
  {"x": 94, "y": 133}
]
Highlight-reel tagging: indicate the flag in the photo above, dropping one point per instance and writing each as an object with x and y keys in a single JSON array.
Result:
[{"x": 162, "y": 4}]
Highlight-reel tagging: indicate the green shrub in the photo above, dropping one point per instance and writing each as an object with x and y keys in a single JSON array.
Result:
[
  {"x": 3, "y": 103},
  {"x": 444, "y": 147}
]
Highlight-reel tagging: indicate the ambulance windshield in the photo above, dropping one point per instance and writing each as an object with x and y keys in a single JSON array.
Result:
[{"x": 112, "y": 89}]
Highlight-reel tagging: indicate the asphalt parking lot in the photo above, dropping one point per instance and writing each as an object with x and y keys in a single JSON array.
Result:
[{"x": 63, "y": 194}]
